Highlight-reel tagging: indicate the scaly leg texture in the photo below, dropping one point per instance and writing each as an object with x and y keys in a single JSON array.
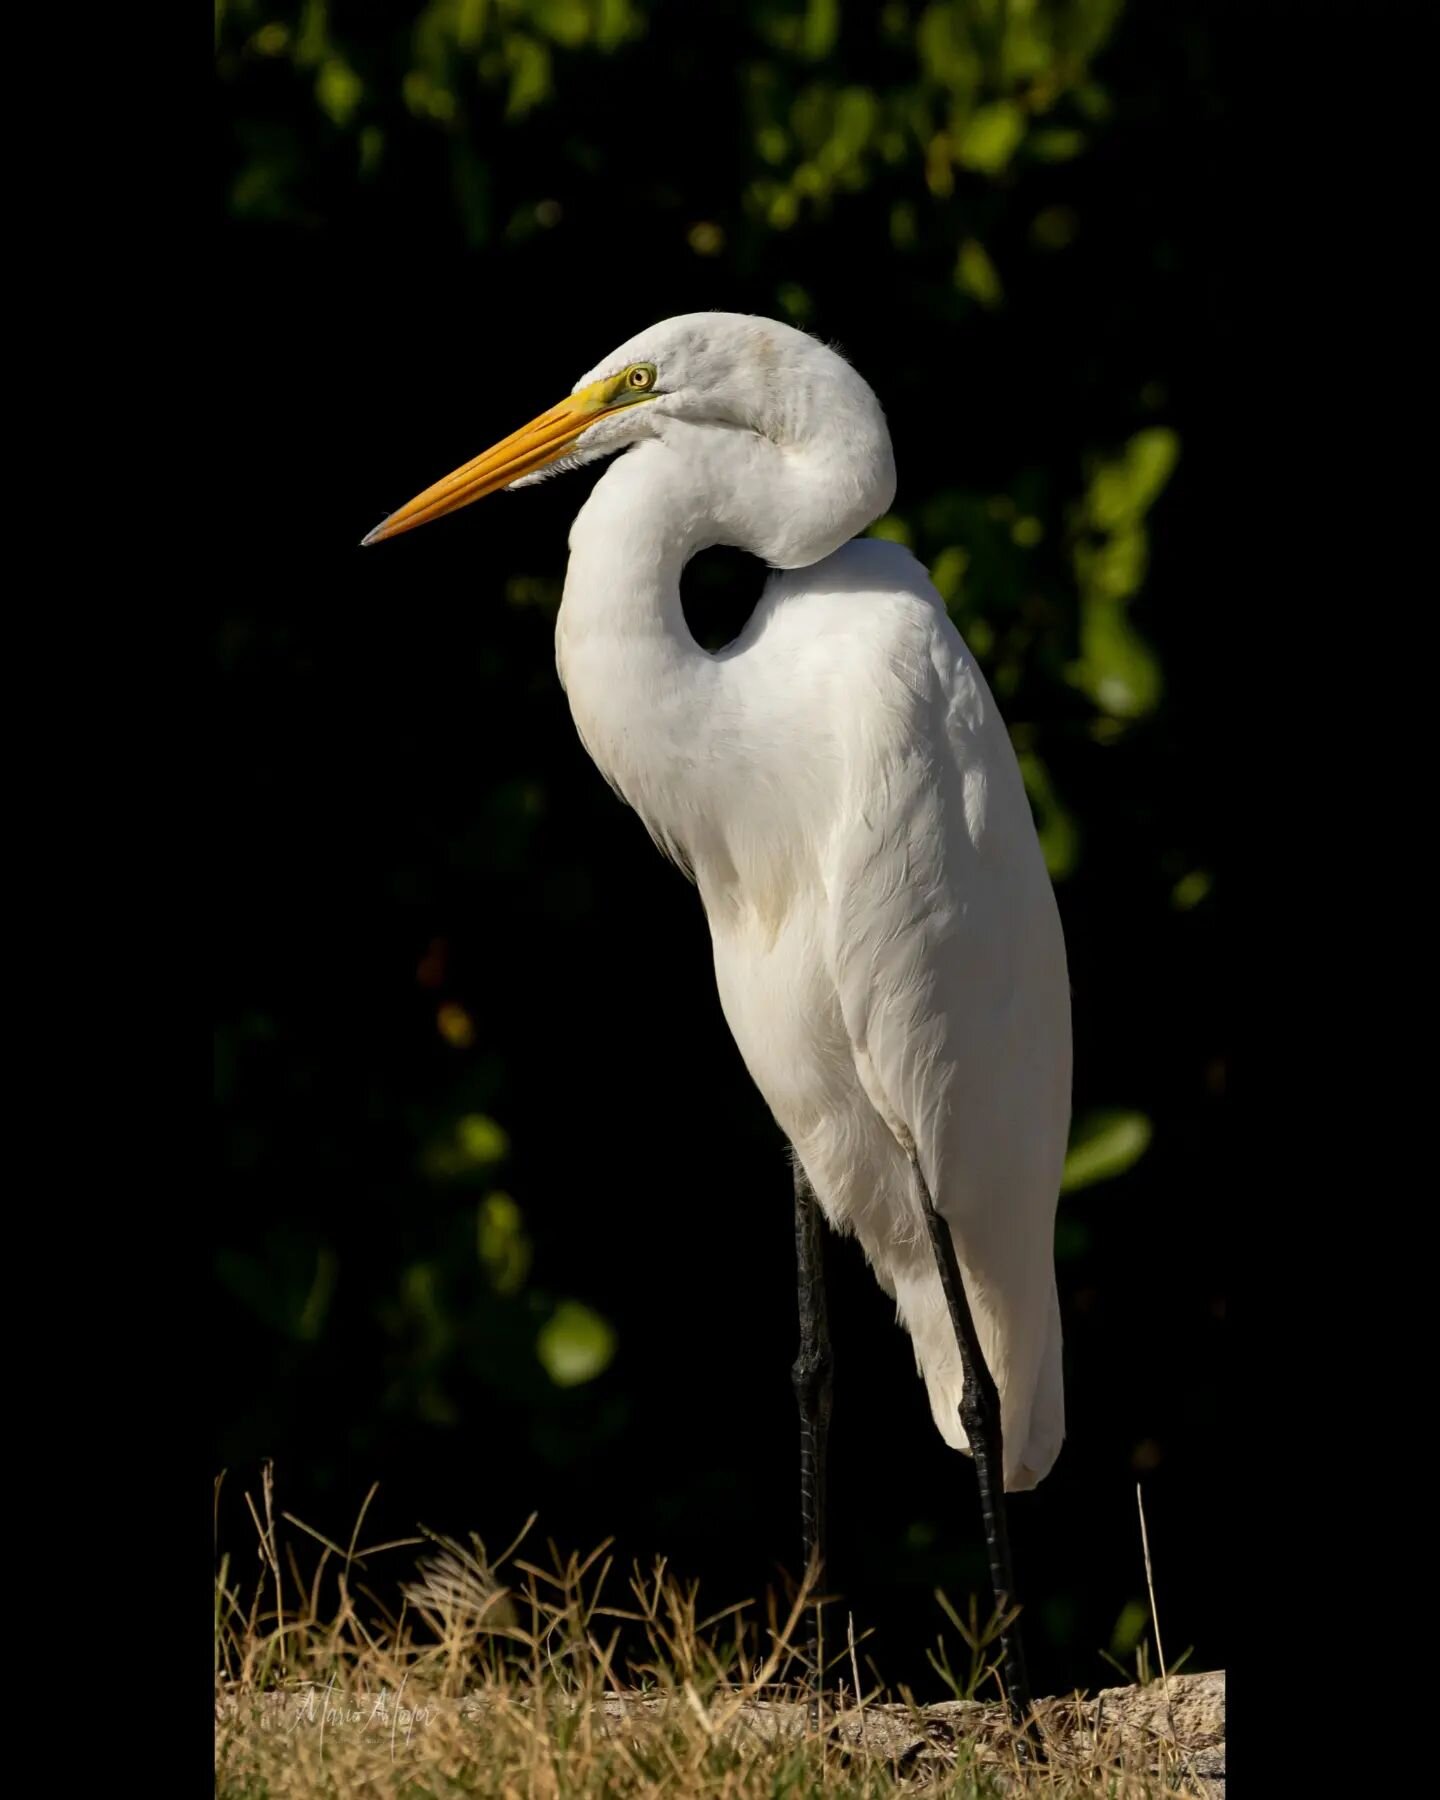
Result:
[
  {"x": 811, "y": 1374},
  {"x": 980, "y": 1415}
]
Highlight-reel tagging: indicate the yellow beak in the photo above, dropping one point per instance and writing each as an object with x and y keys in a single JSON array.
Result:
[{"x": 533, "y": 446}]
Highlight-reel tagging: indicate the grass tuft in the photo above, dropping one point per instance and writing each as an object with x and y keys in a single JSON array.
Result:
[{"x": 555, "y": 1678}]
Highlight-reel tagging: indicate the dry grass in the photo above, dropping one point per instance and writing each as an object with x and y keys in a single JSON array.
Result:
[{"x": 510, "y": 1677}]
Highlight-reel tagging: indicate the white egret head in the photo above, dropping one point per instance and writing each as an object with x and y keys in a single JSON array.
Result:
[{"x": 788, "y": 442}]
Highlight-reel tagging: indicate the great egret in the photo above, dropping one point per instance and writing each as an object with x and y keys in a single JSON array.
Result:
[{"x": 840, "y": 787}]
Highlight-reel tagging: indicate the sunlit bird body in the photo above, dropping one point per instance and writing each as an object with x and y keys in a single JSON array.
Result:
[{"x": 841, "y": 788}]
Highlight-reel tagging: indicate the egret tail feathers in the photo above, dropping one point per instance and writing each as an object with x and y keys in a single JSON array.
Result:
[{"x": 1032, "y": 1407}]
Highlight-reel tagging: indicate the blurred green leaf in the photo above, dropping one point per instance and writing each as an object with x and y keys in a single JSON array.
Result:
[
  {"x": 976, "y": 275},
  {"x": 288, "y": 1285},
  {"x": 1123, "y": 490},
  {"x": 1191, "y": 889},
  {"x": 426, "y": 97},
  {"x": 1130, "y": 1627},
  {"x": 575, "y": 1344},
  {"x": 1116, "y": 667},
  {"x": 991, "y": 137},
  {"x": 528, "y": 61},
  {"x": 311, "y": 1321},
  {"x": 1056, "y": 146},
  {"x": 339, "y": 90},
  {"x": 1104, "y": 1144},
  {"x": 893, "y": 528},
  {"x": 503, "y": 1247},
  {"x": 1058, "y": 833},
  {"x": 470, "y": 1147},
  {"x": 948, "y": 572}
]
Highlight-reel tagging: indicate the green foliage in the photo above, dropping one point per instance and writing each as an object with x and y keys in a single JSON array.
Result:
[
  {"x": 1058, "y": 832},
  {"x": 1130, "y": 1627},
  {"x": 575, "y": 1344},
  {"x": 467, "y": 1150},
  {"x": 1116, "y": 668},
  {"x": 1104, "y": 1143},
  {"x": 289, "y": 1284},
  {"x": 503, "y": 1247}
]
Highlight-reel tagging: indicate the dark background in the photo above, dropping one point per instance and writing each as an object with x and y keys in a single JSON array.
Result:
[{"x": 501, "y": 1222}]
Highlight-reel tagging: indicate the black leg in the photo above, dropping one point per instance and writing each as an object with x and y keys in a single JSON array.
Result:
[
  {"x": 811, "y": 1373},
  {"x": 980, "y": 1415}
]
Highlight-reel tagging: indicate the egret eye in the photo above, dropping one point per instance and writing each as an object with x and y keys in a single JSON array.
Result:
[{"x": 640, "y": 377}]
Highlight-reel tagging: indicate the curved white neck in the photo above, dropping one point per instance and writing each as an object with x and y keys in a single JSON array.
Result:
[
  {"x": 630, "y": 541},
  {"x": 658, "y": 714},
  {"x": 639, "y": 685}
]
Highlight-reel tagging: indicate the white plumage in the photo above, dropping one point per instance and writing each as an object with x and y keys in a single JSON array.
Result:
[{"x": 839, "y": 784}]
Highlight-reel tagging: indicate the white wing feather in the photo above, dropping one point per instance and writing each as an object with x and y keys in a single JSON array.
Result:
[
  {"x": 887, "y": 948},
  {"x": 941, "y": 934}
]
